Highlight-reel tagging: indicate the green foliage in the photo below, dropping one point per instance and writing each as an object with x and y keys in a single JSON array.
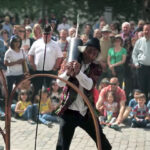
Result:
[{"x": 89, "y": 9}]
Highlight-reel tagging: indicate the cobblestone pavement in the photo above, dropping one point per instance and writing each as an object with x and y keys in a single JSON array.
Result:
[{"x": 23, "y": 134}]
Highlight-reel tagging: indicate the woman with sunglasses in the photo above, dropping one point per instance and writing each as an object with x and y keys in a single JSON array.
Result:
[
  {"x": 14, "y": 59},
  {"x": 5, "y": 38},
  {"x": 116, "y": 59}
]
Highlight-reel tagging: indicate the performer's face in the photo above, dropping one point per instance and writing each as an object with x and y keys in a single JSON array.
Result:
[{"x": 90, "y": 54}]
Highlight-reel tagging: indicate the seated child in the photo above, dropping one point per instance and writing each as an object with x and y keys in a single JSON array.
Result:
[
  {"x": 140, "y": 112},
  {"x": 46, "y": 108},
  {"x": 55, "y": 95},
  {"x": 132, "y": 104},
  {"x": 24, "y": 107},
  {"x": 110, "y": 110}
]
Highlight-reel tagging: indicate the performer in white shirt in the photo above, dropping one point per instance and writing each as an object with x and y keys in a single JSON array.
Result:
[{"x": 83, "y": 74}]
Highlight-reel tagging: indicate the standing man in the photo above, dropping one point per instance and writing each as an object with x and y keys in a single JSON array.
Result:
[
  {"x": 63, "y": 43},
  {"x": 45, "y": 57},
  {"x": 141, "y": 60},
  {"x": 77, "y": 113}
]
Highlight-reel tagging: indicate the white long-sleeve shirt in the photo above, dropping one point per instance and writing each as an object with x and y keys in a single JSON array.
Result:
[
  {"x": 141, "y": 52},
  {"x": 84, "y": 82}
]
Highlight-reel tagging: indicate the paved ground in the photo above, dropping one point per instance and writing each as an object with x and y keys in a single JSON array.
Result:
[{"x": 23, "y": 134}]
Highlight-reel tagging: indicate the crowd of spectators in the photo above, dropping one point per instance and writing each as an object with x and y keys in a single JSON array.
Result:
[{"x": 124, "y": 58}]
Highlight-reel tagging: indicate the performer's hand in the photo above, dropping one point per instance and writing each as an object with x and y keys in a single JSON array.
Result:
[
  {"x": 76, "y": 67},
  {"x": 69, "y": 69}
]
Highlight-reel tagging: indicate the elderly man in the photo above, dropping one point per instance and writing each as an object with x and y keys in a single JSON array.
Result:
[
  {"x": 45, "y": 57},
  {"x": 63, "y": 43},
  {"x": 76, "y": 114},
  {"x": 129, "y": 74},
  {"x": 141, "y": 60},
  {"x": 119, "y": 95}
]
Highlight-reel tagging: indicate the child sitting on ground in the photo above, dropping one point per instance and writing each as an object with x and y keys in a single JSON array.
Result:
[
  {"x": 132, "y": 104},
  {"x": 140, "y": 112},
  {"x": 55, "y": 95},
  {"x": 24, "y": 107},
  {"x": 110, "y": 111},
  {"x": 46, "y": 108}
]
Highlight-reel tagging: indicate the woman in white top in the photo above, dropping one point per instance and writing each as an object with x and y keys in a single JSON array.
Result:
[{"x": 13, "y": 60}]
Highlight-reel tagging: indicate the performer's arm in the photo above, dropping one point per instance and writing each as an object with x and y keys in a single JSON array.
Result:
[
  {"x": 64, "y": 76},
  {"x": 85, "y": 81}
]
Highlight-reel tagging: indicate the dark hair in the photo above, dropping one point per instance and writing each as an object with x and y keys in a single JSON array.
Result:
[
  {"x": 137, "y": 90},
  {"x": 14, "y": 39},
  {"x": 51, "y": 89},
  {"x": 23, "y": 92},
  {"x": 4, "y": 31},
  {"x": 43, "y": 90},
  {"x": 141, "y": 95},
  {"x": 47, "y": 29},
  {"x": 112, "y": 93}
]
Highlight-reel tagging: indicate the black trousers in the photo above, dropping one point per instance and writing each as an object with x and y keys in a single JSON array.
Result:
[
  {"x": 39, "y": 81},
  {"x": 13, "y": 80},
  {"x": 143, "y": 74},
  {"x": 69, "y": 121}
]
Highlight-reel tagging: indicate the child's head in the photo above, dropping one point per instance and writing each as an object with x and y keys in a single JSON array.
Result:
[
  {"x": 23, "y": 95},
  {"x": 136, "y": 92},
  {"x": 110, "y": 96},
  {"x": 141, "y": 99},
  {"x": 104, "y": 82},
  {"x": 55, "y": 86},
  {"x": 44, "y": 93}
]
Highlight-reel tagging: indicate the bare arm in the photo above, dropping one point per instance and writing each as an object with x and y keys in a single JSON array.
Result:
[
  {"x": 31, "y": 60},
  {"x": 108, "y": 60},
  {"x": 99, "y": 103},
  {"x": 121, "y": 111},
  {"x": 121, "y": 62},
  {"x": 20, "y": 61},
  {"x": 58, "y": 63},
  {"x": 17, "y": 109}
]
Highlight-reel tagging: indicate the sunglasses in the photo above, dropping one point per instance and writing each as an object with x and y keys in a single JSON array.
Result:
[
  {"x": 113, "y": 83},
  {"x": 17, "y": 41},
  {"x": 23, "y": 93},
  {"x": 4, "y": 32},
  {"x": 21, "y": 30}
]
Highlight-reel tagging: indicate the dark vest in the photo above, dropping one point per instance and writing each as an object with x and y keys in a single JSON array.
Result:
[{"x": 69, "y": 95}]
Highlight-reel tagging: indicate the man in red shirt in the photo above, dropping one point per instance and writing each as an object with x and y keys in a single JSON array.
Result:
[{"x": 119, "y": 95}]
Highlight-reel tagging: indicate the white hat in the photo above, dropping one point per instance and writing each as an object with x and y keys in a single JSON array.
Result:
[{"x": 106, "y": 28}]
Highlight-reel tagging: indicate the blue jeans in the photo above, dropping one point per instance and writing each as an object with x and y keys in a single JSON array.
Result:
[
  {"x": 44, "y": 118},
  {"x": 13, "y": 106},
  {"x": 27, "y": 115},
  {"x": 140, "y": 124},
  {"x": 1, "y": 112}
]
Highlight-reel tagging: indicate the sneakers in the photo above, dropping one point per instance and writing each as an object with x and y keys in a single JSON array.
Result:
[
  {"x": 31, "y": 122},
  {"x": 132, "y": 125},
  {"x": 49, "y": 124},
  {"x": 148, "y": 126},
  {"x": 115, "y": 126}
]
